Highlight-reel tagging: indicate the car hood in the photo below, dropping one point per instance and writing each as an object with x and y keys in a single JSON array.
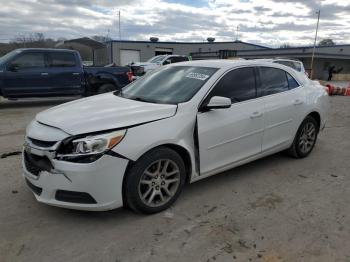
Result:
[{"x": 103, "y": 112}]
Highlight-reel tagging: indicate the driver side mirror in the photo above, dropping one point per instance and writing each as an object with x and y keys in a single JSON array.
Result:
[
  {"x": 218, "y": 102},
  {"x": 166, "y": 62},
  {"x": 13, "y": 67}
]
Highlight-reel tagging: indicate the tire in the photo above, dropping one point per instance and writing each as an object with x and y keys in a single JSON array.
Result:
[
  {"x": 149, "y": 186},
  {"x": 106, "y": 88},
  {"x": 305, "y": 138}
]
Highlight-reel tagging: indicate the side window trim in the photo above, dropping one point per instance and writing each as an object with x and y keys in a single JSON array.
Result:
[
  {"x": 286, "y": 76},
  {"x": 47, "y": 59},
  {"x": 258, "y": 82}
]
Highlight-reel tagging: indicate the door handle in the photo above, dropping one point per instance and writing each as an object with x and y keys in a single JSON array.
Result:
[
  {"x": 256, "y": 115},
  {"x": 44, "y": 74},
  {"x": 298, "y": 102},
  {"x": 76, "y": 74}
]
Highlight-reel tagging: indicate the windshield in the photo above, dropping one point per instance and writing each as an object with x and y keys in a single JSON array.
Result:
[
  {"x": 8, "y": 56},
  {"x": 156, "y": 59},
  {"x": 169, "y": 85}
]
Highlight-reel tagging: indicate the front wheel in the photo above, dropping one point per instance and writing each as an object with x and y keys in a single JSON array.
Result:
[
  {"x": 305, "y": 138},
  {"x": 155, "y": 181}
]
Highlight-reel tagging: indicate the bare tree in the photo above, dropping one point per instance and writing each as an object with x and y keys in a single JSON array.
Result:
[
  {"x": 32, "y": 40},
  {"x": 286, "y": 45},
  {"x": 326, "y": 42}
]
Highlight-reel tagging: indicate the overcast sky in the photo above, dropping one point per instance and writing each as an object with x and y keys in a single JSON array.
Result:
[{"x": 266, "y": 22}]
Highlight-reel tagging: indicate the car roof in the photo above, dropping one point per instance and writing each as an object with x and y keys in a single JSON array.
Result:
[
  {"x": 224, "y": 63},
  {"x": 279, "y": 59},
  {"x": 45, "y": 50},
  {"x": 231, "y": 64}
]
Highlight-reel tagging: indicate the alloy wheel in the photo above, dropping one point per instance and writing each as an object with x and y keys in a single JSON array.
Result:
[
  {"x": 307, "y": 138},
  {"x": 159, "y": 182}
]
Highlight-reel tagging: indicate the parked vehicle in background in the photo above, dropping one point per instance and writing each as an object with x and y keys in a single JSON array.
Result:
[
  {"x": 55, "y": 72},
  {"x": 179, "y": 123},
  {"x": 292, "y": 63},
  {"x": 141, "y": 68}
]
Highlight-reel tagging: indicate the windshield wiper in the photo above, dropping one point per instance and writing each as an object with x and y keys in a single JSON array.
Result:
[
  {"x": 118, "y": 92},
  {"x": 137, "y": 98}
]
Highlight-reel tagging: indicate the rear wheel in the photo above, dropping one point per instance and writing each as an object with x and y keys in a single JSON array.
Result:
[
  {"x": 106, "y": 88},
  {"x": 155, "y": 181},
  {"x": 305, "y": 138}
]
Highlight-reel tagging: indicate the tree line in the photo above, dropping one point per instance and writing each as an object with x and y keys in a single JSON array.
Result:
[
  {"x": 38, "y": 40},
  {"x": 323, "y": 42}
]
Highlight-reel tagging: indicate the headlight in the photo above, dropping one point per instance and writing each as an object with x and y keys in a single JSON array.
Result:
[{"x": 90, "y": 145}]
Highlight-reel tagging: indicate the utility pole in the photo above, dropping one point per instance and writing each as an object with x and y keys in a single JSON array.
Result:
[
  {"x": 120, "y": 33},
  {"x": 237, "y": 30},
  {"x": 315, "y": 42}
]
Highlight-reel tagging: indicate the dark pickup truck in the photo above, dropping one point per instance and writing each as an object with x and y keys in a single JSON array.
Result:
[{"x": 56, "y": 72}]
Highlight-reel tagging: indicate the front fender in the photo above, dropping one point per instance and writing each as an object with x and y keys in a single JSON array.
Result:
[{"x": 174, "y": 130}]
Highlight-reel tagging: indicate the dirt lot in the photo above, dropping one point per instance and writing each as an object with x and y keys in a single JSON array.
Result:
[{"x": 275, "y": 209}]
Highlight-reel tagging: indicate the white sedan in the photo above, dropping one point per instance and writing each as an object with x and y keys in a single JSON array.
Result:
[{"x": 181, "y": 123}]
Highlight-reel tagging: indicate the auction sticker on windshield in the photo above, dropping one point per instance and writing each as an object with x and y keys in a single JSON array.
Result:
[{"x": 197, "y": 76}]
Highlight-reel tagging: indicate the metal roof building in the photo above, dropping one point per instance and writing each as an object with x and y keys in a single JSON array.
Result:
[{"x": 123, "y": 52}]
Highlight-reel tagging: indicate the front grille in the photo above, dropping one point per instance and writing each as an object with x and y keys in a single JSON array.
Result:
[
  {"x": 74, "y": 197},
  {"x": 41, "y": 143},
  {"x": 30, "y": 166},
  {"x": 34, "y": 164},
  {"x": 35, "y": 189}
]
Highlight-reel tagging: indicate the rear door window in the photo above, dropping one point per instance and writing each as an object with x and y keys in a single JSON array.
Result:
[
  {"x": 273, "y": 80},
  {"x": 60, "y": 59},
  {"x": 238, "y": 84}
]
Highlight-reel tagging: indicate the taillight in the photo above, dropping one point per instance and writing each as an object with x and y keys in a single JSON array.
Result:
[{"x": 130, "y": 76}]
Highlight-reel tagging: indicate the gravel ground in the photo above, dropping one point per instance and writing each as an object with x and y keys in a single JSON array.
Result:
[{"x": 274, "y": 209}]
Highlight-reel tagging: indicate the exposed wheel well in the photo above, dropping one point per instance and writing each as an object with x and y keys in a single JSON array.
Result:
[
  {"x": 317, "y": 117},
  {"x": 185, "y": 155}
]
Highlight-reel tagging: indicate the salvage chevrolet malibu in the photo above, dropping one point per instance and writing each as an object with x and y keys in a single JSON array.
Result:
[{"x": 180, "y": 123}]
